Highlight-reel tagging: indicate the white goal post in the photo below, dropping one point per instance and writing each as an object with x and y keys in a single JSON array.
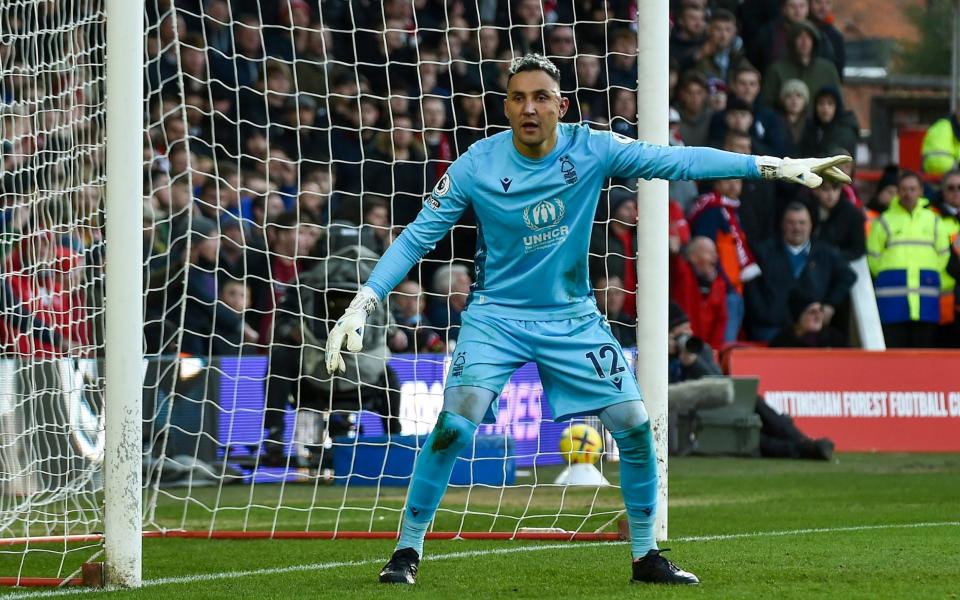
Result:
[{"x": 123, "y": 356}]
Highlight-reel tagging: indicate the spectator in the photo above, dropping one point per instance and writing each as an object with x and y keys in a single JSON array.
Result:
[
  {"x": 738, "y": 117},
  {"x": 722, "y": 51},
  {"x": 794, "y": 98},
  {"x": 623, "y": 116},
  {"x": 948, "y": 206},
  {"x": 801, "y": 63},
  {"x": 683, "y": 193},
  {"x": 885, "y": 193},
  {"x": 273, "y": 273},
  {"x": 715, "y": 216},
  {"x": 591, "y": 104},
  {"x": 941, "y": 145},
  {"x": 767, "y": 127},
  {"x": 622, "y": 59},
  {"x": 561, "y": 50},
  {"x": 772, "y": 41},
  {"x": 469, "y": 117},
  {"x": 758, "y": 199},
  {"x": 312, "y": 64},
  {"x": 610, "y": 296},
  {"x": 698, "y": 285},
  {"x": 837, "y": 221},
  {"x": 394, "y": 168},
  {"x": 694, "y": 113},
  {"x": 408, "y": 307},
  {"x": 832, "y": 127},
  {"x": 807, "y": 329},
  {"x": 613, "y": 246},
  {"x": 310, "y": 141},
  {"x": 795, "y": 261},
  {"x": 779, "y": 436},
  {"x": 43, "y": 302},
  {"x": 833, "y": 48},
  {"x": 907, "y": 251},
  {"x": 438, "y": 141},
  {"x": 229, "y": 339},
  {"x": 689, "y": 33},
  {"x": 451, "y": 287},
  {"x": 527, "y": 20},
  {"x": 297, "y": 374},
  {"x": 312, "y": 202},
  {"x": 240, "y": 66},
  {"x": 203, "y": 315}
]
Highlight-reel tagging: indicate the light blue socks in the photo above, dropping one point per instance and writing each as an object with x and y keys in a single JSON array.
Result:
[
  {"x": 638, "y": 483},
  {"x": 431, "y": 474}
]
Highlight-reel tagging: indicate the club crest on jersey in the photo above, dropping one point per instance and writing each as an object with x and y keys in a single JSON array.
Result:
[
  {"x": 568, "y": 169},
  {"x": 443, "y": 186}
]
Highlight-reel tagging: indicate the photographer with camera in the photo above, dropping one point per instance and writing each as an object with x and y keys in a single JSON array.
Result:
[{"x": 691, "y": 358}]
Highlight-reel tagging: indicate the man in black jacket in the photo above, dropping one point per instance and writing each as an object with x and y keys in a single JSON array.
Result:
[{"x": 791, "y": 262}]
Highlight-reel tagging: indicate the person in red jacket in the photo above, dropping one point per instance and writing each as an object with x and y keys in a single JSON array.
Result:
[
  {"x": 698, "y": 285},
  {"x": 43, "y": 305}
]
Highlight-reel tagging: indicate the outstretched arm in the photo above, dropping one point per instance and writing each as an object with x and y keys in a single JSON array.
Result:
[
  {"x": 630, "y": 158},
  {"x": 441, "y": 210}
]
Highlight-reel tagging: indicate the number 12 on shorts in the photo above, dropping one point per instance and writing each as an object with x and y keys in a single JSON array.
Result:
[{"x": 598, "y": 359}]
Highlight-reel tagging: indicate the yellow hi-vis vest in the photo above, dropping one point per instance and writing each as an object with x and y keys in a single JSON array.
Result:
[
  {"x": 907, "y": 253},
  {"x": 941, "y": 148}
]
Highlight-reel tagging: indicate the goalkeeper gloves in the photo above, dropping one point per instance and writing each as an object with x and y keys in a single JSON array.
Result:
[
  {"x": 807, "y": 171},
  {"x": 350, "y": 326}
]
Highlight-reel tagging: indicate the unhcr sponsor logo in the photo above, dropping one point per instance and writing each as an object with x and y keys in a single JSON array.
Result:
[{"x": 546, "y": 239}]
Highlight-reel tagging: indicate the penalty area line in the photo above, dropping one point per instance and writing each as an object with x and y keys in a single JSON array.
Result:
[{"x": 199, "y": 578}]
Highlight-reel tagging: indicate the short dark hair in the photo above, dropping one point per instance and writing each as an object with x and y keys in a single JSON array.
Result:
[
  {"x": 695, "y": 77},
  {"x": 533, "y": 62},
  {"x": 907, "y": 174},
  {"x": 723, "y": 15},
  {"x": 796, "y": 206},
  {"x": 743, "y": 67}
]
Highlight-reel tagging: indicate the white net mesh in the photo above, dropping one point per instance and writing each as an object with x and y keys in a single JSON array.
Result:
[
  {"x": 51, "y": 183},
  {"x": 286, "y": 145}
]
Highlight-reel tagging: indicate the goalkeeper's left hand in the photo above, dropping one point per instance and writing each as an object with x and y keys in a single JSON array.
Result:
[{"x": 806, "y": 171}]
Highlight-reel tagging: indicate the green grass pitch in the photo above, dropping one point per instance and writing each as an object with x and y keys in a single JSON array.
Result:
[{"x": 863, "y": 526}]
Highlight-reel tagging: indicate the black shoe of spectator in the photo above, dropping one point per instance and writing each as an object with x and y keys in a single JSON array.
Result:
[
  {"x": 655, "y": 568},
  {"x": 824, "y": 448},
  {"x": 402, "y": 567},
  {"x": 819, "y": 449}
]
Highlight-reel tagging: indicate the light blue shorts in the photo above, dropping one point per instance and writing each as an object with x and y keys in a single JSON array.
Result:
[{"x": 581, "y": 364}]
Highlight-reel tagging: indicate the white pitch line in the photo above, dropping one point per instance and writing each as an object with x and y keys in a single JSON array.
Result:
[{"x": 465, "y": 554}]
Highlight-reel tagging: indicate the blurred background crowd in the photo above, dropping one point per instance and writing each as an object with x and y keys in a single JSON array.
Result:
[{"x": 282, "y": 133}]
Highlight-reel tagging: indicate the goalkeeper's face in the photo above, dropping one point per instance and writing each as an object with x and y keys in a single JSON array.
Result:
[{"x": 533, "y": 107}]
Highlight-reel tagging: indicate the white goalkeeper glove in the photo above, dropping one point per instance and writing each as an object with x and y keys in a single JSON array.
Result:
[
  {"x": 807, "y": 171},
  {"x": 350, "y": 326}
]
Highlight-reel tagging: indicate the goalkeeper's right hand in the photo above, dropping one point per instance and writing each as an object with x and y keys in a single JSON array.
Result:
[{"x": 350, "y": 326}]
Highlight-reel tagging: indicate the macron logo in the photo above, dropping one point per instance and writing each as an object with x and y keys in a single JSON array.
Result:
[{"x": 505, "y": 182}]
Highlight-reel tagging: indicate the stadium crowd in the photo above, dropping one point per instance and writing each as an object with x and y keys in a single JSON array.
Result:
[{"x": 283, "y": 133}]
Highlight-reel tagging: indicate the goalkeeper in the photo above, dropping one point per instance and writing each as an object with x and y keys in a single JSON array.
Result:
[{"x": 535, "y": 190}]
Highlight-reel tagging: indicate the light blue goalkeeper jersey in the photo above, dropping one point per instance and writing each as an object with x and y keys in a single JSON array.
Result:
[{"x": 534, "y": 217}]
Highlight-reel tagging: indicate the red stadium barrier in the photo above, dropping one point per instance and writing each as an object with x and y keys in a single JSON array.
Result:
[{"x": 892, "y": 401}]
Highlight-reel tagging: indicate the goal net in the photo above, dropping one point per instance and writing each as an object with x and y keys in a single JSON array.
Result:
[
  {"x": 51, "y": 183},
  {"x": 287, "y": 144}
]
